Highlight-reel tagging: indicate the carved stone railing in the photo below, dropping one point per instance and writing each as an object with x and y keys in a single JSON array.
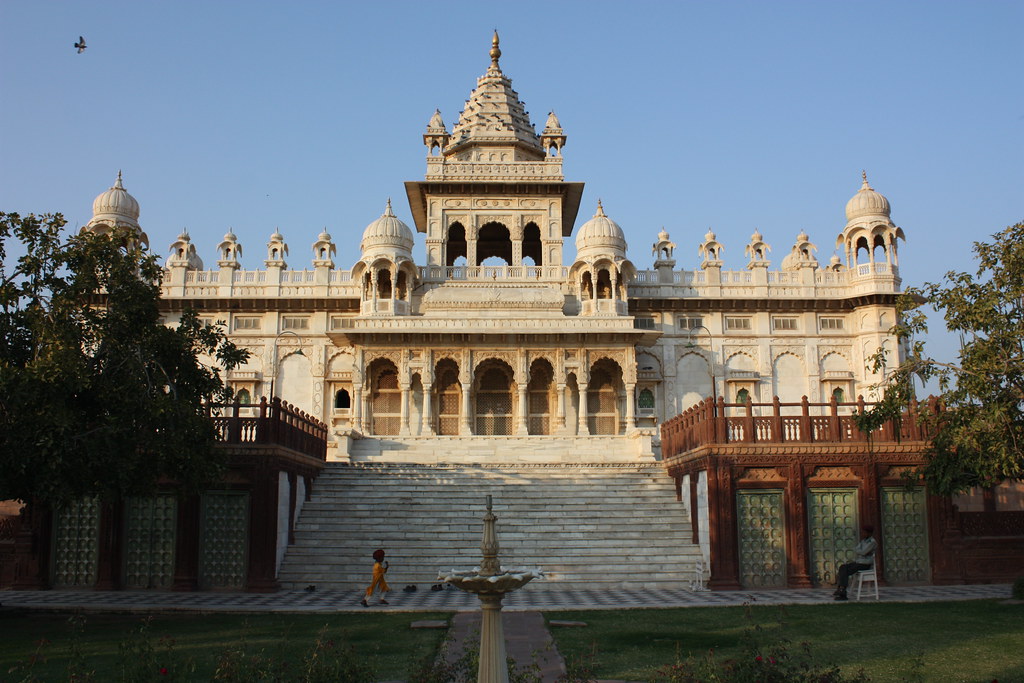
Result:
[
  {"x": 273, "y": 423},
  {"x": 717, "y": 422}
]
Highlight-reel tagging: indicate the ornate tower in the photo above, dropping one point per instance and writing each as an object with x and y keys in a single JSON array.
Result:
[{"x": 494, "y": 189}]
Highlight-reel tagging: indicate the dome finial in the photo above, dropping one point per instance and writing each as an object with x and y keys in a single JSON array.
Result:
[
  {"x": 387, "y": 210},
  {"x": 117, "y": 183},
  {"x": 600, "y": 209},
  {"x": 495, "y": 51},
  {"x": 864, "y": 175}
]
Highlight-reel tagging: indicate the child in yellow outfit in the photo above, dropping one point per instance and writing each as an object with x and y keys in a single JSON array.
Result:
[{"x": 380, "y": 568}]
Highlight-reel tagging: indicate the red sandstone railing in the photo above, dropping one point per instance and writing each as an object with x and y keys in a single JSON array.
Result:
[
  {"x": 710, "y": 422},
  {"x": 273, "y": 423}
]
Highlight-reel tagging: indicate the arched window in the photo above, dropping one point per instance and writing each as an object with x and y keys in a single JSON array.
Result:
[
  {"x": 532, "y": 248},
  {"x": 383, "y": 284},
  {"x": 243, "y": 397},
  {"x": 742, "y": 396},
  {"x": 494, "y": 240},
  {"x": 342, "y": 401},
  {"x": 456, "y": 246},
  {"x": 604, "y": 284},
  {"x": 587, "y": 286},
  {"x": 646, "y": 400},
  {"x": 839, "y": 395}
]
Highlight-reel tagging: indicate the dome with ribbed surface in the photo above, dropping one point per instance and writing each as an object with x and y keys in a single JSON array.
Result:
[
  {"x": 387, "y": 231},
  {"x": 116, "y": 205},
  {"x": 600, "y": 232},
  {"x": 867, "y": 202}
]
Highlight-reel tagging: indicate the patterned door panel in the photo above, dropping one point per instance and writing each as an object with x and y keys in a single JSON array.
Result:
[
  {"x": 762, "y": 538},
  {"x": 150, "y": 526},
  {"x": 223, "y": 542},
  {"x": 76, "y": 544},
  {"x": 832, "y": 523},
  {"x": 904, "y": 535}
]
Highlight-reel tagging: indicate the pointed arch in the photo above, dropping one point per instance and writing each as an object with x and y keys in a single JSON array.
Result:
[
  {"x": 540, "y": 397},
  {"x": 494, "y": 240},
  {"x": 604, "y": 393},
  {"x": 447, "y": 397}
]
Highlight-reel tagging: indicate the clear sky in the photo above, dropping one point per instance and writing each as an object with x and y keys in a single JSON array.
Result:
[{"x": 688, "y": 115}]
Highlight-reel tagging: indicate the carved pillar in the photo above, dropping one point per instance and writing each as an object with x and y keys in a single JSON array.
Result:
[
  {"x": 797, "y": 532},
  {"x": 583, "y": 429},
  {"x": 630, "y": 407},
  {"x": 725, "y": 566},
  {"x": 471, "y": 249},
  {"x": 263, "y": 501},
  {"x": 560, "y": 409},
  {"x": 357, "y": 406},
  {"x": 186, "y": 546},
  {"x": 404, "y": 430},
  {"x": 521, "y": 429},
  {"x": 108, "y": 566},
  {"x": 464, "y": 425},
  {"x": 364, "y": 419},
  {"x": 428, "y": 404}
]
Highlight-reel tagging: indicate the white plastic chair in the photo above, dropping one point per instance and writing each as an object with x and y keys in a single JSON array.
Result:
[{"x": 867, "y": 575}]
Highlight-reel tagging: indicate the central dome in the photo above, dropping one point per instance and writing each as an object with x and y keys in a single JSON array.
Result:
[
  {"x": 117, "y": 205},
  {"x": 600, "y": 232},
  {"x": 866, "y": 202},
  {"x": 387, "y": 231}
]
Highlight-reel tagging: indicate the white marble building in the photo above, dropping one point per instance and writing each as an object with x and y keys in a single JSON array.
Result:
[{"x": 456, "y": 359}]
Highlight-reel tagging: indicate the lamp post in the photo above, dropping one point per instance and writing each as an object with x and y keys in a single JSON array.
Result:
[
  {"x": 711, "y": 357},
  {"x": 273, "y": 359}
]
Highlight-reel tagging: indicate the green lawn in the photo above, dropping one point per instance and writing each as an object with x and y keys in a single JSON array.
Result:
[
  {"x": 978, "y": 640},
  {"x": 386, "y": 640}
]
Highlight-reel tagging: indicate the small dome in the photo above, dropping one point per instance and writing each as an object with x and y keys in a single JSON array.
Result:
[
  {"x": 600, "y": 231},
  {"x": 866, "y": 202},
  {"x": 116, "y": 204},
  {"x": 324, "y": 236},
  {"x": 387, "y": 231}
]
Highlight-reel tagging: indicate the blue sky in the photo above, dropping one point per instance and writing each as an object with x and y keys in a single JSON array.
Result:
[{"x": 687, "y": 115}]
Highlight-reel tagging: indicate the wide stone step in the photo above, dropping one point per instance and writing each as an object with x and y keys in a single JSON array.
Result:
[{"x": 587, "y": 527}]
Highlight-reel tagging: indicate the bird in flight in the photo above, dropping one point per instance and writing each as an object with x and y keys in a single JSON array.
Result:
[{"x": 80, "y": 44}]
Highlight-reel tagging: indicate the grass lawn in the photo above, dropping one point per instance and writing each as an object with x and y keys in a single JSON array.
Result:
[
  {"x": 978, "y": 640},
  {"x": 386, "y": 639}
]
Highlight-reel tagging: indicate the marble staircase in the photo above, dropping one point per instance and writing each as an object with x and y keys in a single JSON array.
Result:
[{"x": 592, "y": 526}]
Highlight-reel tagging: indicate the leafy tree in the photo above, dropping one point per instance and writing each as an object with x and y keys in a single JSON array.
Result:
[
  {"x": 97, "y": 395},
  {"x": 979, "y": 433}
]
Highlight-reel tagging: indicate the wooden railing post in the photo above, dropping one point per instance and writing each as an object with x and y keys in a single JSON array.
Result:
[
  {"x": 777, "y": 435},
  {"x": 806, "y": 434},
  {"x": 749, "y": 431}
]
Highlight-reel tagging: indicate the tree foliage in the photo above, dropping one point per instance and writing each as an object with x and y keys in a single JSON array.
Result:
[
  {"x": 979, "y": 433},
  {"x": 97, "y": 395}
]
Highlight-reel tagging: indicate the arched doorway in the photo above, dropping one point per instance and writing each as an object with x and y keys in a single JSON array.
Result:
[
  {"x": 448, "y": 394},
  {"x": 539, "y": 397},
  {"x": 494, "y": 389},
  {"x": 603, "y": 393},
  {"x": 385, "y": 399}
]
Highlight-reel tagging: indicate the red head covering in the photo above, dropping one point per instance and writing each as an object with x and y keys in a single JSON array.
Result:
[{"x": 378, "y": 554}]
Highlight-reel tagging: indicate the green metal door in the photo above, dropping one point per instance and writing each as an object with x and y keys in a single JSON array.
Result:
[
  {"x": 904, "y": 535},
  {"x": 832, "y": 524},
  {"x": 223, "y": 540},
  {"x": 762, "y": 538},
  {"x": 150, "y": 527},
  {"x": 76, "y": 544}
]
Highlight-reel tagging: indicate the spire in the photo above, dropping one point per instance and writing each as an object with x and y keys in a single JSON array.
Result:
[
  {"x": 387, "y": 210},
  {"x": 865, "y": 186},
  {"x": 495, "y": 53},
  {"x": 494, "y": 117},
  {"x": 117, "y": 183},
  {"x": 600, "y": 209}
]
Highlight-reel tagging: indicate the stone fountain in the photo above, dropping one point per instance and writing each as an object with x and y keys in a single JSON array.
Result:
[{"x": 490, "y": 583}]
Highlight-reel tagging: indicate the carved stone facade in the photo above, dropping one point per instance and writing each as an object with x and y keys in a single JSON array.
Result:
[{"x": 498, "y": 333}]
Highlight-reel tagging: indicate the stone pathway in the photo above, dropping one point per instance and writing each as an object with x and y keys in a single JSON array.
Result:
[
  {"x": 456, "y": 601},
  {"x": 527, "y": 638}
]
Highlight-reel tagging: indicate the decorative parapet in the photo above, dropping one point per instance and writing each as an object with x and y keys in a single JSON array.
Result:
[{"x": 547, "y": 170}]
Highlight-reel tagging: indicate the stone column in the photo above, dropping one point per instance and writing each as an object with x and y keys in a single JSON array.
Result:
[
  {"x": 630, "y": 407},
  {"x": 404, "y": 386},
  {"x": 364, "y": 420},
  {"x": 464, "y": 425},
  {"x": 583, "y": 430},
  {"x": 357, "y": 406},
  {"x": 560, "y": 409},
  {"x": 521, "y": 428},
  {"x": 493, "y": 666},
  {"x": 428, "y": 402}
]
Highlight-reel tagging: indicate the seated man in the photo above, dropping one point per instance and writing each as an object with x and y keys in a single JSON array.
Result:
[{"x": 865, "y": 560}]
